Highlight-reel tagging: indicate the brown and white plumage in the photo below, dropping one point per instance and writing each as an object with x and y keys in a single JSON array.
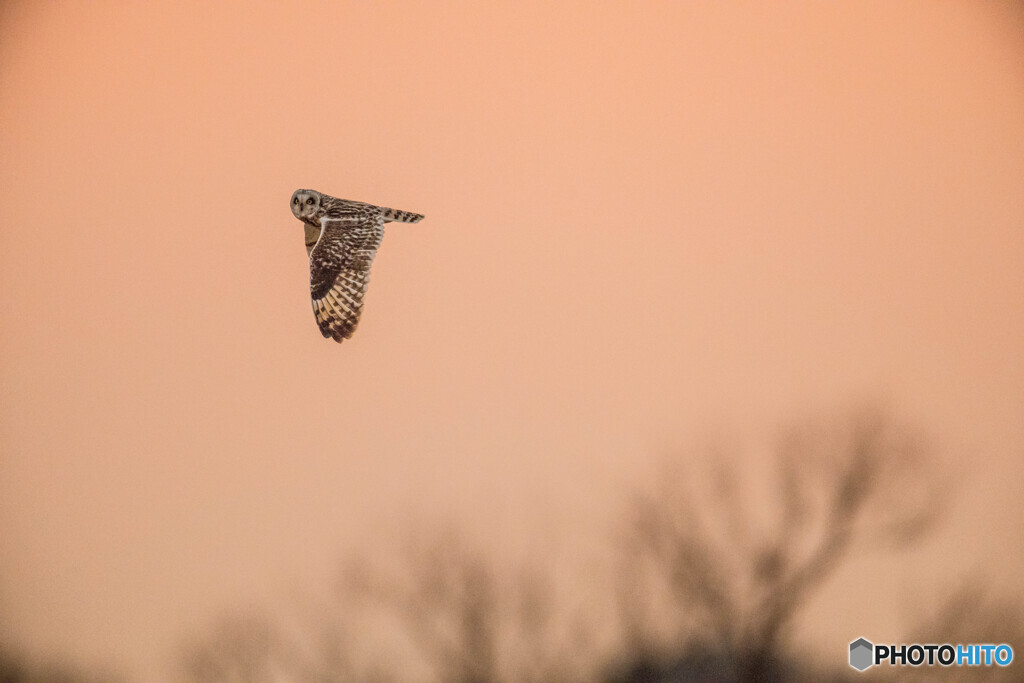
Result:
[{"x": 342, "y": 237}]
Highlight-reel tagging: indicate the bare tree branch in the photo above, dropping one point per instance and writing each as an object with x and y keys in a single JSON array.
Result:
[{"x": 741, "y": 583}]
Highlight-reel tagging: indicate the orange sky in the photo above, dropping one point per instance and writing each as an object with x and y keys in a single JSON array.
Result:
[{"x": 644, "y": 221}]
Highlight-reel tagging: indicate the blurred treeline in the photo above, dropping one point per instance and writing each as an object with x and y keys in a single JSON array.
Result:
[{"x": 706, "y": 585}]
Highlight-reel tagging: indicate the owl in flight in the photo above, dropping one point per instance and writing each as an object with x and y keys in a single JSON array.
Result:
[{"x": 342, "y": 238}]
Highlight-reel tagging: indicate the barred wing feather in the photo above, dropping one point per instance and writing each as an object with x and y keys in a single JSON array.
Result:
[{"x": 340, "y": 272}]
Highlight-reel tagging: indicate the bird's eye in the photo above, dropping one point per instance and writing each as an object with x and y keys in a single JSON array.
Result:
[
  {"x": 310, "y": 201},
  {"x": 295, "y": 201}
]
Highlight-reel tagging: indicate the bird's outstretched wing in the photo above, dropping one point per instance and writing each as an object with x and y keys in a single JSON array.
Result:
[{"x": 339, "y": 271}]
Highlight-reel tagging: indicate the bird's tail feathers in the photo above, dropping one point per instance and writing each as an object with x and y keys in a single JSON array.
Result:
[{"x": 402, "y": 216}]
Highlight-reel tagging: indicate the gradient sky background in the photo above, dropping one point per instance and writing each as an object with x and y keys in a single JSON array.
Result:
[{"x": 646, "y": 222}]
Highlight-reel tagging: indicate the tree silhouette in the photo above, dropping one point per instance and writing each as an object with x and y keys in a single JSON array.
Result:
[
  {"x": 466, "y": 621},
  {"x": 706, "y": 573},
  {"x": 711, "y": 585},
  {"x": 444, "y": 613}
]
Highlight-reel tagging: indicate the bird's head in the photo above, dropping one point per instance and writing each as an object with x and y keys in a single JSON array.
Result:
[{"x": 305, "y": 204}]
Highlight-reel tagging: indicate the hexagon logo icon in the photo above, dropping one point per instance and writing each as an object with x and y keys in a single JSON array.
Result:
[{"x": 861, "y": 651}]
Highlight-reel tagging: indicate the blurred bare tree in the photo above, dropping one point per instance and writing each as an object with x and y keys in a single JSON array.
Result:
[
  {"x": 712, "y": 582},
  {"x": 444, "y": 613},
  {"x": 258, "y": 648},
  {"x": 469, "y": 622},
  {"x": 707, "y": 575},
  {"x": 713, "y": 579}
]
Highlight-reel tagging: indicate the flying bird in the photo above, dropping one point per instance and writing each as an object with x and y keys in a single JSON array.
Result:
[{"x": 342, "y": 237}]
